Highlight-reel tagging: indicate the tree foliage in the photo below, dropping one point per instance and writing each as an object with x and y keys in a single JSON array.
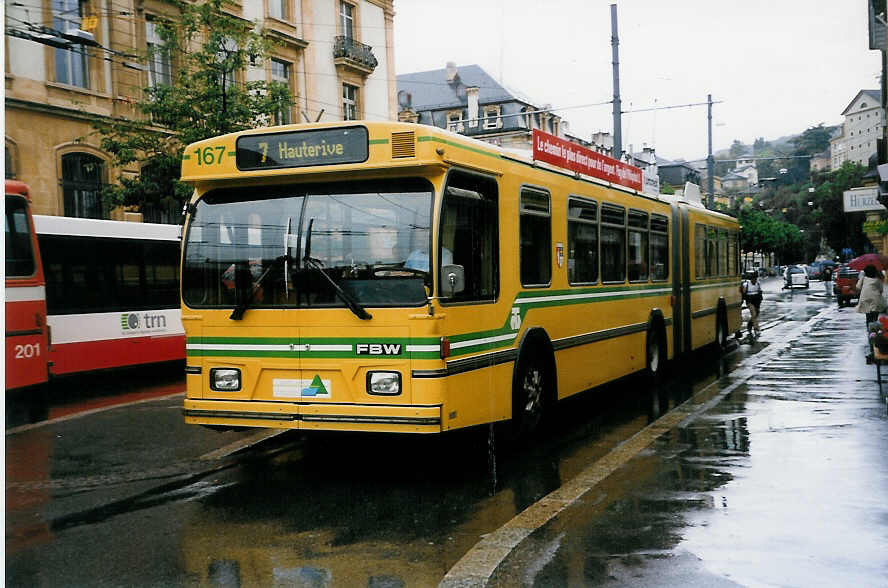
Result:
[
  {"x": 841, "y": 230},
  {"x": 762, "y": 233},
  {"x": 210, "y": 50}
]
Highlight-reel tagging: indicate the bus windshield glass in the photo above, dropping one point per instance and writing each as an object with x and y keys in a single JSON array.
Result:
[
  {"x": 268, "y": 247},
  {"x": 19, "y": 256}
]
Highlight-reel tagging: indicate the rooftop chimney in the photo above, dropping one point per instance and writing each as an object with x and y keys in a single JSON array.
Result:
[
  {"x": 451, "y": 71},
  {"x": 472, "y": 96}
]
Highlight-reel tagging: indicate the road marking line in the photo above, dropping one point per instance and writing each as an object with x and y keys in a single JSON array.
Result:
[
  {"x": 478, "y": 565},
  {"x": 77, "y": 415}
]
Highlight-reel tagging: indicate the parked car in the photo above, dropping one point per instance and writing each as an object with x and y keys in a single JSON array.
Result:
[
  {"x": 795, "y": 275},
  {"x": 845, "y": 285}
]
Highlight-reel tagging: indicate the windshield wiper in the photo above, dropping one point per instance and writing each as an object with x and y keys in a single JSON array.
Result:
[
  {"x": 239, "y": 310},
  {"x": 350, "y": 302}
]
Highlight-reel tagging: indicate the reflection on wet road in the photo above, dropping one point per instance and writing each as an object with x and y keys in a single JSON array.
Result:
[
  {"x": 700, "y": 502},
  {"x": 782, "y": 483}
]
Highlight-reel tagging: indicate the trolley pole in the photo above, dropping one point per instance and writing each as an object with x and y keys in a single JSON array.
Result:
[
  {"x": 710, "y": 162},
  {"x": 615, "y": 45}
]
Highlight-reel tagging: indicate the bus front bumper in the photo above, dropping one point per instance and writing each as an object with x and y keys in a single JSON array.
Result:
[{"x": 379, "y": 418}]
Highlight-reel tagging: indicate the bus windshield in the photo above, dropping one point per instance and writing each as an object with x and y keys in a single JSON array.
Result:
[
  {"x": 19, "y": 256},
  {"x": 310, "y": 245}
]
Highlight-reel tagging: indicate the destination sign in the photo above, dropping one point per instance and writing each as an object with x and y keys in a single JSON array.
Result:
[{"x": 302, "y": 148}]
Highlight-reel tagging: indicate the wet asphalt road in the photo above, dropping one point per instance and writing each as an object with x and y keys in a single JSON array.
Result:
[{"x": 776, "y": 474}]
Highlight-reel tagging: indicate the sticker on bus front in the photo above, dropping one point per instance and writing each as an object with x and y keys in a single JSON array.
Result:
[{"x": 314, "y": 388}]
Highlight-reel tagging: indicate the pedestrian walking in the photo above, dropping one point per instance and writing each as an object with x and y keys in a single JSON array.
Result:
[
  {"x": 871, "y": 300},
  {"x": 752, "y": 294}
]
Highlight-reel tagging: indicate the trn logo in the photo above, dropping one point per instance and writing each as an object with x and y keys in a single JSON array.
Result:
[
  {"x": 378, "y": 349},
  {"x": 131, "y": 321}
]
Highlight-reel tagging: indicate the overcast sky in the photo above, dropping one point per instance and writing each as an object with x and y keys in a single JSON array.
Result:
[{"x": 778, "y": 66}]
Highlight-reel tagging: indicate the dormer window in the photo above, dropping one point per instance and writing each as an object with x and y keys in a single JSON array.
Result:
[
  {"x": 492, "y": 118},
  {"x": 455, "y": 121}
]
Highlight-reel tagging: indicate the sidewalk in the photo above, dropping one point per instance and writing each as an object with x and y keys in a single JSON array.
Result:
[{"x": 775, "y": 475}]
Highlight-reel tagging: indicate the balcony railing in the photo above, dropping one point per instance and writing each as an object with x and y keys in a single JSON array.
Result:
[{"x": 348, "y": 48}]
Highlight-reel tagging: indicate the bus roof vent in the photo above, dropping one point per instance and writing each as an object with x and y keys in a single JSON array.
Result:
[{"x": 403, "y": 144}]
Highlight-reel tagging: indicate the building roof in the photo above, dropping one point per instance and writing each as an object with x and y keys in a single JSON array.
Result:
[
  {"x": 876, "y": 95},
  {"x": 666, "y": 163},
  {"x": 430, "y": 90}
]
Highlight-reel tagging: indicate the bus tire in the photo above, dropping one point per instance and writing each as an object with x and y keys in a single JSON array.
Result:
[
  {"x": 531, "y": 393},
  {"x": 655, "y": 356},
  {"x": 721, "y": 329}
]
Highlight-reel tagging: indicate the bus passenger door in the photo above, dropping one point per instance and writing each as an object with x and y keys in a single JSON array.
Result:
[{"x": 681, "y": 280}]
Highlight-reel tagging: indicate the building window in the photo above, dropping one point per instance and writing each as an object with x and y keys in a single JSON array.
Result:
[
  {"x": 9, "y": 153},
  {"x": 82, "y": 185},
  {"x": 349, "y": 102},
  {"x": 278, "y": 9},
  {"x": 280, "y": 73},
  {"x": 71, "y": 65},
  {"x": 492, "y": 118},
  {"x": 159, "y": 62},
  {"x": 347, "y": 19},
  {"x": 455, "y": 121}
]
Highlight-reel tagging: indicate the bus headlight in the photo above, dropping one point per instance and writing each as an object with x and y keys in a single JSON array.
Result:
[
  {"x": 225, "y": 379},
  {"x": 384, "y": 383}
]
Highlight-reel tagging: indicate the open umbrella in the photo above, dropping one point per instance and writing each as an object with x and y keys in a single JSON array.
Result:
[{"x": 880, "y": 261}]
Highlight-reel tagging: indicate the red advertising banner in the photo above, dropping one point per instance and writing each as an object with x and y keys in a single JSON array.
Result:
[{"x": 577, "y": 158}]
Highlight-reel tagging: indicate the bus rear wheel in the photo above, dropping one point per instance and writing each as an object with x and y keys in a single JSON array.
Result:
[
  {"x": 655, "y": 356},
  {"x": 721, "y": 331},
  {"x": 529, "y": 397}
]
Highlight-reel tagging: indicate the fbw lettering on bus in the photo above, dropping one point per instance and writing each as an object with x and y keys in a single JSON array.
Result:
[{"x": 378, "y": 349}]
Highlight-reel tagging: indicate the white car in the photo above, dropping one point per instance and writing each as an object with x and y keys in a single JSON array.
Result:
[{"x": 795, "y": 275}]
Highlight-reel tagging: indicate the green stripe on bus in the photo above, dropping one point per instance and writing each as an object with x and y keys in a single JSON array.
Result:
[
  {"x": 306, "y": 354},
  {"x": 426, "y": 138},
  {"x": 524, "y": 301},
  {"x": 309, "y": 341}
]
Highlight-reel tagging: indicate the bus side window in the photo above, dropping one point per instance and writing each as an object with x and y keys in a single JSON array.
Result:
[
  {"x": 699, "y": 251},
  {"x": 613, "y": 243},
  {"x": 469, "y": 235},
  {"x": 659, "y": 247},
  {"x": 638, "y": 246},
  {"x": 536, "y": 238},
  {"x": 582, "y": 242}
]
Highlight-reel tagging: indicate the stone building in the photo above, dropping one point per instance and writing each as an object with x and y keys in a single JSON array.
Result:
[
  {"x": 864, "y": 124},
  {"x": 337, "y": 56},
  {"x": 467, "y": 100}
]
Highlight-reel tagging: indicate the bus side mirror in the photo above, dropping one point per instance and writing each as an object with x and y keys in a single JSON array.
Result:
[{"x": 453, "y": 280}]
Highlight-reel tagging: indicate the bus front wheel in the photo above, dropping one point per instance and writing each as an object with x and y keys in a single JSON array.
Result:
[{"x": 529, "y": 397}]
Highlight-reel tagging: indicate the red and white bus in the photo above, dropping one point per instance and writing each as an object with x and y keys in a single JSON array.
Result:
[
  {"x": 98, "y": 294},
  {"x": 112, "y": 293},
  {"x": 26, "y": 331}
]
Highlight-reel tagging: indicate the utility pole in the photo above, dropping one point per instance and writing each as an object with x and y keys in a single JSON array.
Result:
[
  {"x": 615, "y": 44},
  {"x": 710, "y": 162}
]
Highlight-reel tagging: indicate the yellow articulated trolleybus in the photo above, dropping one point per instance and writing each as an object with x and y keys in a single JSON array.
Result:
[{"x": 391, "y": 277}]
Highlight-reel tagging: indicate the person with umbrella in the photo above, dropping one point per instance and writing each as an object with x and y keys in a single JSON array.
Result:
[{"x": 871, "y": 300}]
